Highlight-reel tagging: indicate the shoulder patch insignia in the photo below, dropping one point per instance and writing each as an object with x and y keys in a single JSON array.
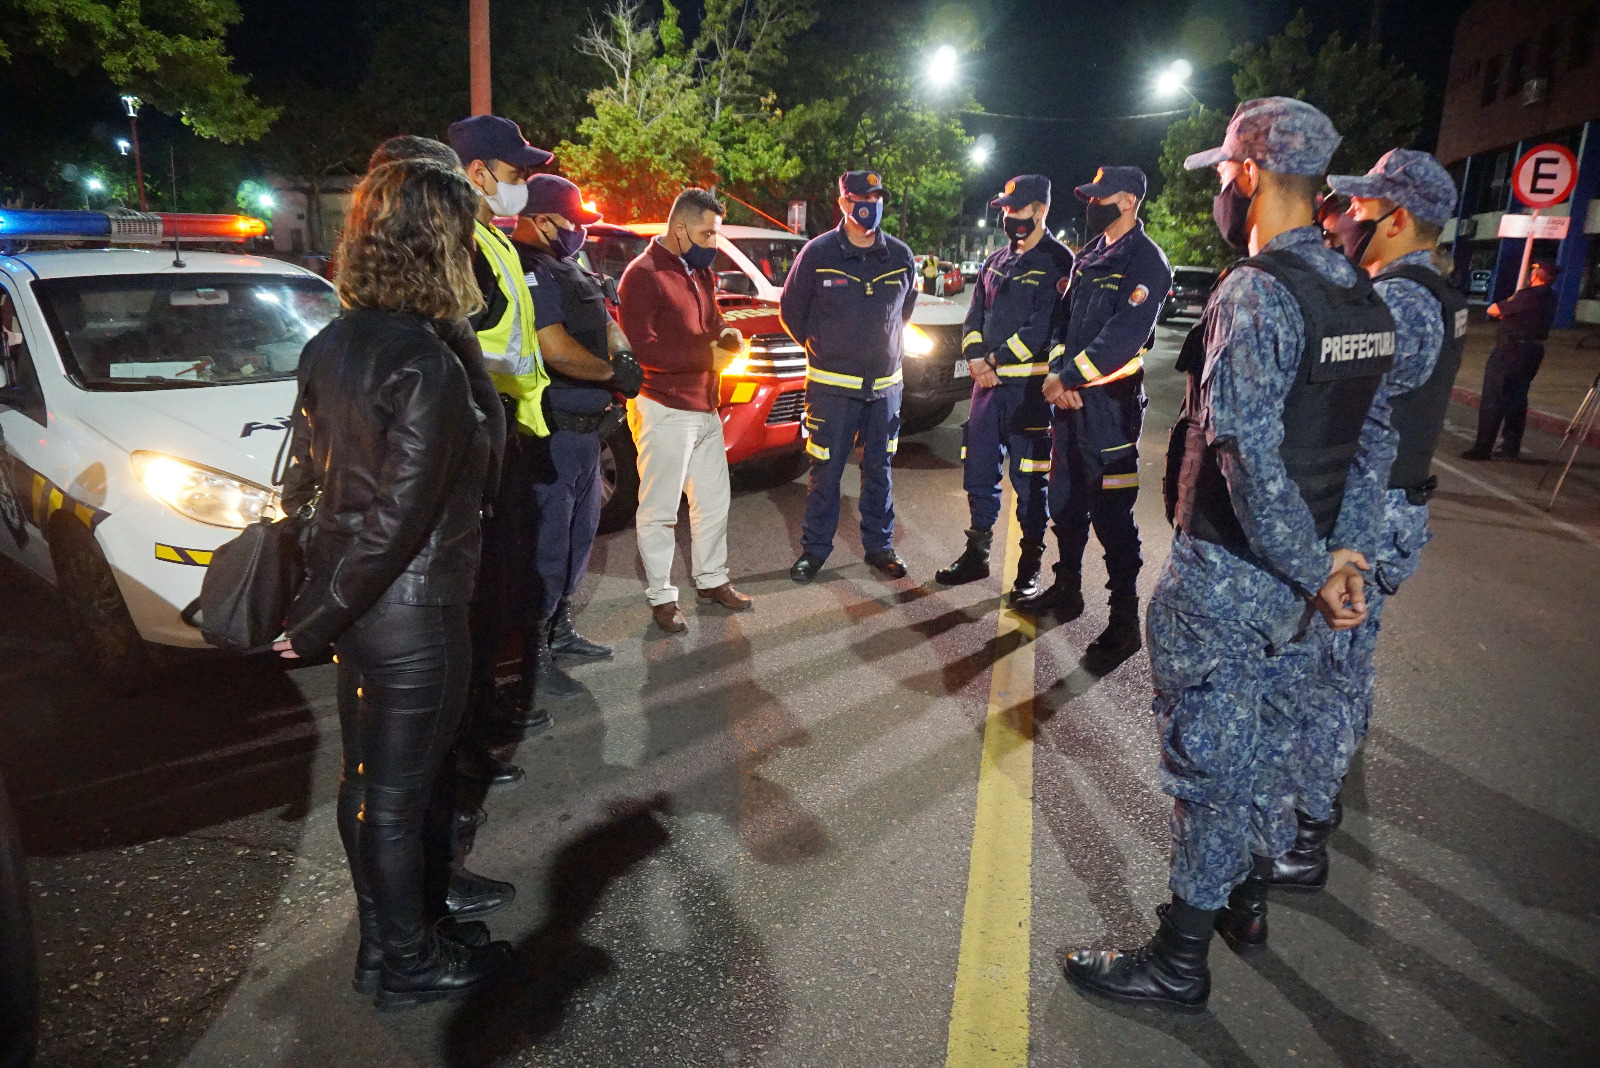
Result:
[
  {"x": 1138, "y": 295},
  {"x": 1061, "y": 284},
  {"x": 1011, "y": 187}
]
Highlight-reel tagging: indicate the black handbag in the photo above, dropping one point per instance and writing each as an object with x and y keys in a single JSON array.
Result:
[{"x": 252, "y": 579}]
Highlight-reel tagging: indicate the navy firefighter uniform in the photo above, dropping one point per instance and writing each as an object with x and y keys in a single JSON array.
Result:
[
  {"x": 1008, "y": 328},
  {"x": 1108, "y": 324},
  {"x": 847, "y": 299}
]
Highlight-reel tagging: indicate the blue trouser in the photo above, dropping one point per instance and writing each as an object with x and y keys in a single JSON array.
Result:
[
  {"x": 1097, "y": 492},
  {"x": 563, "y": 472},
  {"x": 1227, "y": 739},
  {"x": 1012, "y": 421},
  {"x": 836, "y": 423}
]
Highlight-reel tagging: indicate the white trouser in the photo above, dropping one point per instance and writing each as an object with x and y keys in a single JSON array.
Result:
[{"x": 680, "y": 451}]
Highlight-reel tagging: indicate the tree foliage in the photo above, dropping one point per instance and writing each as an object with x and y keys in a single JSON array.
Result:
[
  {"x": 1374, "y": 102},
  {"x": 169, "y": 52}
]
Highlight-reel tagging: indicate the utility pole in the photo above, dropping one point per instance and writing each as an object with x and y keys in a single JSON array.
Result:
[
  {"x": 130, "y": 104},
  {"x": 478, "y": 41}
]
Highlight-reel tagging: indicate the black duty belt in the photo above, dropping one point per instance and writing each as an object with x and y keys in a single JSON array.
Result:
[{"x": 577, "y": 422}]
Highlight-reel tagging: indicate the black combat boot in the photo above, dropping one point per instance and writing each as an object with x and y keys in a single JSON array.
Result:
[
  {"x": 1062, "y": 599},
  {"x": 540, "y": 673},
  {"x": 1121, "y": 638},
  {"x": 1168, "y": 972},
  {"x": 972, "y": 564},
  {"x": 430, "y": 968},
  {"x": 1243, "y": 924},
  {"x": 475, "y": 763},
  {"x": 369, "y": 955},
  {"x": 1304, "y": 869},
  {"x": 1026, "y": 583},
  {"x": 567, "y": 643},
  {"x": 471, "y": 894},
  {"x": 500, "y": 712}
]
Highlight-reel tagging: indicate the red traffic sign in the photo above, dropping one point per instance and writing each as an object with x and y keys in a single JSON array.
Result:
[{"x": 1545, "y": 176}]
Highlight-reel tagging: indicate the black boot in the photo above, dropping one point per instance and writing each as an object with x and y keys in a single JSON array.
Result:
[
  {"x": 972, "y": 564},
  {"x": 1168, "y": 972},
  {"x": 475, "y": 763},
  {"x": 369, "y": 955},
  {"x": 1121, "y": 638},
  {"x": 477, "y": 895},
  {"x": 502, "y": 712},
  {"x": 1062, "y": 599},
  {"x": 430, "y": 968},
  {"x": 539, "y": 665},
  {"x": 1026, "y": 583},
  {"x": 566, "y": 642},
  {"x": 1304, "y": 869},
  {"x": 1243, "y": 924}
]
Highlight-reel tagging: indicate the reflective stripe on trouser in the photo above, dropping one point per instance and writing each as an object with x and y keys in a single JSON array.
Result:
[
  {"x": 1012, "y": 421},
  {"x": 1084, "y": 495},
  {"x": 1211, "y": 678},
  {"x": 679, "y": 452},
  {"x": 564, "y": 487},
  {"x": 836, "y": 424}
]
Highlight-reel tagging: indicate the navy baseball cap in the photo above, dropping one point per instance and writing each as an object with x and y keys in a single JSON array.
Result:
[
  {"x": 1414, "y": 180},
  {"x": 491, "y": 137},
  {"x": 861, "y": 184},
  {"x": 1110, "y": 180},
  {"x": 1280, "y": 133},
  {"x": 1023, "y": 190},
  {"x": 551, "y": 194}
]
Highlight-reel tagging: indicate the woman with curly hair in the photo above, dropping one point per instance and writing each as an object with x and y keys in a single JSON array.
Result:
[{"x": 388, "y": 457}]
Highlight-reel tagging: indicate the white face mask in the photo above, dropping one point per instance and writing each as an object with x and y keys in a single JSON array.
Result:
[{"x": 509, "y": 198}]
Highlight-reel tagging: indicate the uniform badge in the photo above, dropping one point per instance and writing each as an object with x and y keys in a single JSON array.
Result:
[
  {"x": 1061, "y": 284},
  {"x": 1011, "y": 187},
  {"x": 1136, "y": 298},
  {"x": 1099, "y": 174},
  {"x": 872, "y": 179}
]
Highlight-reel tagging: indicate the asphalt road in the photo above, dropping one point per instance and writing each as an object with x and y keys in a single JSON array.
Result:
[{"x": 750, "y": 844}]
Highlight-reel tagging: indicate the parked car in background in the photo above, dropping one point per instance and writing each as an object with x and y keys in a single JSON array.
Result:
[
  {"x": 1478, "y": 284},
  {"x": 953, "y": 281},
  {"x": 1191, "y": 286},
  {"x": 970, "y": 269}
]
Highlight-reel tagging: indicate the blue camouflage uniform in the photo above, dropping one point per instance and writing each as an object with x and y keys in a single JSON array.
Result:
[
  {"x": 1340, "y": 695},
  {"x": 1008, "y": 322},
  {"x": 1229, "y": 628},
  {"x": 1112, "y": 305},
  {"x": 849, "y": 306}
]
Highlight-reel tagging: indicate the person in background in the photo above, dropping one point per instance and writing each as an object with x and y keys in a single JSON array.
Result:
[
  {"x": 930, "y": 275},
  {"x": 669, "y": 310},
  {"x": 1525, "y": 319},
  {"x": 588, "y": 359},
  {"x": 390, "y": 454}
]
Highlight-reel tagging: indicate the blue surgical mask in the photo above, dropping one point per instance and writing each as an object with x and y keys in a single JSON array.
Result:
[
  {"x": 566, "y": 243},
  {"x": 699, "y": 257},
  {"x": 868, "y": 214}
]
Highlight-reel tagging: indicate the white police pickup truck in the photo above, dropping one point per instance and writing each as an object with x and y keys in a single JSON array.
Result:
[{"x": 143, "y": 397}]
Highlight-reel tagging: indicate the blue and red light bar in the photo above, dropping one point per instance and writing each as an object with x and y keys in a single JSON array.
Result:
[{"x": 133, "y": 226}]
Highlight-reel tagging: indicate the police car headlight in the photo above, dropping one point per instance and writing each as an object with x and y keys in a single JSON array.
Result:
[
  {"x": 916, "y": 340},
  {"x": 202, "y": 494}
]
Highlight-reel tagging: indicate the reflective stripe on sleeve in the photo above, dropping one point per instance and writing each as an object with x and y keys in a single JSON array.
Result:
[
  {"x": 1014, "y": 343},
  {"x": 974, "y": 337},
  {"x": 1022, "y": 370},
  {"x": 1086, "y": 368},
  {"x": 1132, "y": 367},
  {"x": 1128, "y": 481}
]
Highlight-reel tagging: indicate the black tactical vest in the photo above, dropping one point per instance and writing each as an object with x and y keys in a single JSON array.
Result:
[
  {"x": 1349, "y": 347},
  {"x": 583, "y": 300},
  {"x": 1419, "y": 415}
]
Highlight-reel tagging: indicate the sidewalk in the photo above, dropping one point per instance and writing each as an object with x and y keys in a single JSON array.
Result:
[{"x": 1564, "y": 378}]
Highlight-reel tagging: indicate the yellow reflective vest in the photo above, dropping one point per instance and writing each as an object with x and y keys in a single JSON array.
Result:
[{"x": 511, "y": 346}]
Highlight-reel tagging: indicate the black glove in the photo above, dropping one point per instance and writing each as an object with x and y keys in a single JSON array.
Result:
[{"x": 626, "y": 374}]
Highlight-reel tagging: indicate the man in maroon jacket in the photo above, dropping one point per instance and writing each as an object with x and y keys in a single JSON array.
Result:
[{"x": 669, "y": 311}]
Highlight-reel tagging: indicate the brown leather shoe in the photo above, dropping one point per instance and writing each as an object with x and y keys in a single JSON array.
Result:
[
  {"x": 669, "y": 617},
  {"x": 726, "y": 596}
]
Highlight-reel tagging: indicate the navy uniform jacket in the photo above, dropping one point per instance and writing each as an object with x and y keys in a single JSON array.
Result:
[
  {"x": 1013, "y": 305},
  {"x": 1526, "y": 314},
  {"x": 1108, "y": 322},
  {"x": 849, "y": 307}
]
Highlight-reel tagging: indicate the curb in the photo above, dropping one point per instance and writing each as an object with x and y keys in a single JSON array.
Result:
[{"x": 1547, "y": 422}]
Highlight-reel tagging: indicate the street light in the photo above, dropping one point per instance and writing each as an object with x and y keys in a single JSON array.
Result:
[
  {"x": 123, "y": 145},
  {"x": 1175, "y": 79},
  {"x": 267, "y": 201},
  {"x": 979, "y": 155},
  {"x": 91, "y": 184},
  {"x": 130, "y": 104},
  {"x": 942, "y": 67}
]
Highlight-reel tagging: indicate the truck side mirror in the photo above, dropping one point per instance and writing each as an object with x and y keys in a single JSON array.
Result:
[{"x": 735, "y": 282}]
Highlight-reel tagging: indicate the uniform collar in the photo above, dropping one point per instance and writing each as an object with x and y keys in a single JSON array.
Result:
[
  {"x": 878, "y": 246},
  {"x": 1300, "y": 235},
  {"x": 1420, "y": 258},
  {"x": 1097, "y": 251}
]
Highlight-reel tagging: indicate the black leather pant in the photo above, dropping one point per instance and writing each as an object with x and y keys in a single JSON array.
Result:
[{"x": 396, "y": 793}]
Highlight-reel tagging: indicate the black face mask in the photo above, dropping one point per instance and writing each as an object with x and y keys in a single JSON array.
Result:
[
  {"x": 1018, "y": 229},
  {"x": 1100, "y": 216},
  {"x": 1230, "y": 209},
  {"x": 1356, "y": 234}
]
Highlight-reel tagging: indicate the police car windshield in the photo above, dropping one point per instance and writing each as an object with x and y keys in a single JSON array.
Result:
[
  {"x": 772, "y": 256},
  {"x": 142, "y": 331}
]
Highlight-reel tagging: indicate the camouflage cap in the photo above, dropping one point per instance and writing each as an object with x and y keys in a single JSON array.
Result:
[
  {"x": 1414, "y": 180},
  {"x": 1280, "y": 133}
]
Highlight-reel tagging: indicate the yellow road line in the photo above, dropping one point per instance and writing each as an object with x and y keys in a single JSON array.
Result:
[{"x": 989, "y": 1018}]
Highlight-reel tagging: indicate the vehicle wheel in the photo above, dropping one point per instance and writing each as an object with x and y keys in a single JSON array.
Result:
[
  {"x": 102, "y": 629},
  {"x": 19, "y": 961},
  {"x": 619, "y": 481},
  {"x": 915, "y": 419}
]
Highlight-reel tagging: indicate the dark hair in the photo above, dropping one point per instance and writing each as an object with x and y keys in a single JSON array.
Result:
[
  {"x": 1299, "y": 186},
  {"x": 696, "y": 200},
  {"x": 407, "y": 242},
  {"x": 1426, "y": 231},
  {"x": 411, "y": 146}
]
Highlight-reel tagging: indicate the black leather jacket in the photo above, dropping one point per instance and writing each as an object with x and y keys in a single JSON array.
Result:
[{"x": 388, "y": 430}]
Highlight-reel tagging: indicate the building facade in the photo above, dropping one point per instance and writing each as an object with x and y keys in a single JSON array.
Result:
[{"x": 1522, "y": 75}]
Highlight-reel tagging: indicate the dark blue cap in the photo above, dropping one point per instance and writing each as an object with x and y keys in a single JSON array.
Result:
[
  {"x": 861, "y": 184},
  {"x": 489, "y": 137},
  {"x": 1109, "y": 180},
  {"x": 1412, "y": 179},
  {"x": 1280, "y": 133},
  {"x": 1023, "y": 190},
  {"x": 551, "y": 194}
]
